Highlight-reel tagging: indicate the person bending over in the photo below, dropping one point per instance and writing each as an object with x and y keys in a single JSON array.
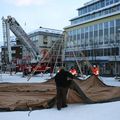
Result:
[{"x": 62, "y": 85}]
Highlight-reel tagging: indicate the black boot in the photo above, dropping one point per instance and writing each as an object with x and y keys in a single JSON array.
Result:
[
  {"x": 59, "y": 108},
  {"x": 64, "y": 106}
]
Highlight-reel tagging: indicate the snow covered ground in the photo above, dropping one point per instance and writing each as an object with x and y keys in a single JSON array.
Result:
[{"x": 102, "y": 111}]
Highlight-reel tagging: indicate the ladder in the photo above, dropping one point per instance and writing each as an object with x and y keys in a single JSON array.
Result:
[{"x": 22, "y": 36}]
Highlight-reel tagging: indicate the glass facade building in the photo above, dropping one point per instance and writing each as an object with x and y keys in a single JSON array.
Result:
[{"x": 96, "y": 33}]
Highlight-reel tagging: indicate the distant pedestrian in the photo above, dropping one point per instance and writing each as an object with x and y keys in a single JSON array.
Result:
[
  {"x": 62, "y": 85},
  {"x": 95, "y": 70},
  {"x": 73, "y": 71}
]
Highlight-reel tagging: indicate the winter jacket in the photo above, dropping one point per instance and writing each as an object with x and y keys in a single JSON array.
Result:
[{"x": 61, "y": 78}]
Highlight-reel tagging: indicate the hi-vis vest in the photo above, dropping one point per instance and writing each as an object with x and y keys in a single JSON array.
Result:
[
  {"x": 73, "y": 71},
  {"x": 95, "y": 71}
]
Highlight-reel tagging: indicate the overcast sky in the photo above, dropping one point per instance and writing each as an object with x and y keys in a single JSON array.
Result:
[{"x": 31, "y": 14}]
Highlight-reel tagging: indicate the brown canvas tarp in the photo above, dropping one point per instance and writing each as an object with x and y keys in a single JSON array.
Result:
[{"x": 27, "y": 96}]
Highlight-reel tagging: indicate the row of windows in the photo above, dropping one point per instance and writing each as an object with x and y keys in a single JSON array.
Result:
[
  {"x": 95, "y": 52},
  {"x": 98, "y": 34},
  {"x": 95, "y": 6},
  {"x": 96, "y": 15}
]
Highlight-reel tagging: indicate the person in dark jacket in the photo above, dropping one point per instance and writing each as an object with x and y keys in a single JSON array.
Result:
[{"x": 62, "y": 85}]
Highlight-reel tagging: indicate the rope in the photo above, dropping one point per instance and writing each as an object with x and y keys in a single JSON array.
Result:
[
  {"x": 58, "y": 54},
  {"x": 88, "y": 63},
  {"x": 39, "y": 63},
  {"x": 78, "y": 64}
]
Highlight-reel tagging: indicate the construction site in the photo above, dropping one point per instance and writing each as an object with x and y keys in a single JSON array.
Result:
[
  {"x": 30, "y": 58},
  {"x": 27, "y": 54},
  {"x": 32, "y": 96}
]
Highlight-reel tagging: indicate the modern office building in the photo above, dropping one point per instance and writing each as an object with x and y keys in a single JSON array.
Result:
[{"x": 96, "y": 33}]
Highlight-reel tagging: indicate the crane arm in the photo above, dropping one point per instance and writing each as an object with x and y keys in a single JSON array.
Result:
[{"x": 22, "y": 36}]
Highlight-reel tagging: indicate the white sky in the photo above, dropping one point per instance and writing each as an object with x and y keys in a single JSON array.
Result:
[{"x": 35, "y": 13}]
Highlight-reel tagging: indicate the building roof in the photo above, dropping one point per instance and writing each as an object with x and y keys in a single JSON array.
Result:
[
  {"x": 88, "y": 3},
  {"x": 47, "y": 30}
]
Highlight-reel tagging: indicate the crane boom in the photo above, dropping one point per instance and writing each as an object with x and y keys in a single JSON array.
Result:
[{"x": 22, "y": 36}]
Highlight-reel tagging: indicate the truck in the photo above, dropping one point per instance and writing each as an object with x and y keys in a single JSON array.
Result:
[{"x": 18, "y": 31}]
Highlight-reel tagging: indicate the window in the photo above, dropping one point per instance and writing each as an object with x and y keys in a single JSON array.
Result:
[
  {"x": 106, "y": 33},
  {"x": 78, "y": 37},
  {"x": 82, "y": 37},
  {"x": 116, "y": 1},
  {"x": 91, "y": 35},
  {"x": 112, "y": 34},
  {"x": 96, "y": 34},
  {"x": 115, "y": 51},
  {"x": 111, "y": 1},
  {"x": 103, "y": 3},
  {"x": 107, "y": 2},
  {"x": 86, "y": 36},
  {"x": 100, "y": 52},
  {"x": 106, "y": 52},
  {"x": 98, "y": 5},
  {"x": 112, "y": 23},
  {"x": 45, "y": 40},
  {"x": 78, "y": 34},
  {"x": 101, "y": 33},
  {"x": 117, "y": 30}
]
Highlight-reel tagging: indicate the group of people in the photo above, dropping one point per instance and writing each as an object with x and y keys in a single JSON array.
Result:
[{"x": 63, "y": 84}]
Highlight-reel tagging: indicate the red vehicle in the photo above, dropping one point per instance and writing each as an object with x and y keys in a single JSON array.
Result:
[{"x": 35, "y": 69}]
